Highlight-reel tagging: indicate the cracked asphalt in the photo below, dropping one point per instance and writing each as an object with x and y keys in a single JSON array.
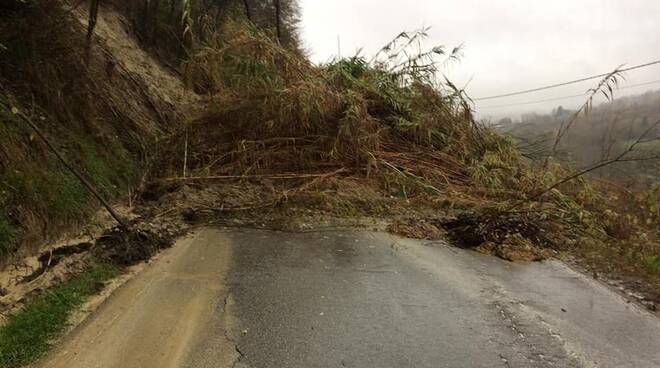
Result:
[{"x": 344, "y": 298}]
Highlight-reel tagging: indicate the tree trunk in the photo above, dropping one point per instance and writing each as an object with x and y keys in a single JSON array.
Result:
[
  {"x": 153, "y": 24},
  {"x": 144, "y": 23},
  {"x": 171, "y": 13},
  {"x": 91, "y": 24},
  {"x": 278, "y": 20},
  {"x": 247, "y": 9}
]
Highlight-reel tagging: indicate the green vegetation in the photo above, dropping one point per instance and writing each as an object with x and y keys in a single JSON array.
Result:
[
  {"x": 7, "y": 236},
  {"x": 53, "y": 193},
  {"x": 28, "y": 335},
  {"x": 653, "y": 262},
  {"x": 63, "y": 196},
  {"x": 110, "y": 172},
  {"x": 34, "y": 185},
  {"x": 44, "y": 189}
]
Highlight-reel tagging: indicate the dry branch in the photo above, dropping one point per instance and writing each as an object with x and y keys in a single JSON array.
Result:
[
  {"x": 604, "y": 87},
  {"x": 619, "y": 158},
  {"x": 265, "y": 176}
]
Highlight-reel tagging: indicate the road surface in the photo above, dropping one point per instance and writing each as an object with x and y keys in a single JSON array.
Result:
[{"x": 344, "y": 298}]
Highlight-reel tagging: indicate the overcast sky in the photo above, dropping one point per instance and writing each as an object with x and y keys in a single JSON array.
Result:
[{"x": 509, "y": 44}]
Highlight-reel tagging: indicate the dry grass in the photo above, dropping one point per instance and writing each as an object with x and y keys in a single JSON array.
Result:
[{"x": 273, "y": 111}]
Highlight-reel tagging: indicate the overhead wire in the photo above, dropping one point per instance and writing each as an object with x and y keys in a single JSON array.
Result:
[
  {"x": 565, "y": 83},
  {"x": 562, "y": 97}
]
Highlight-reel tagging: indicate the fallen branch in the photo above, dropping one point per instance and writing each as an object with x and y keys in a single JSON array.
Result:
[
  {"x": 315, "y": 181},
  {"x": 185, "y": 155},
  {"x": 246, "y": 208},
  {"x": 265, "y": 176},
  {"x": 75, "y": 172}
]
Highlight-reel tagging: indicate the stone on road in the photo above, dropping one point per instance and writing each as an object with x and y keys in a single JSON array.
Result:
[{"x": 348, "y": 298}]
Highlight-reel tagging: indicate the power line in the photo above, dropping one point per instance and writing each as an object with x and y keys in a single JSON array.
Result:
[
  {"x": 532, "y": 102},
  {"x": 564, "y": 83},
  {"x": 563, "y": 97}
]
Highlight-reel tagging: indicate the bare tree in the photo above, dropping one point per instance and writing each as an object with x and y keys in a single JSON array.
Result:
[
  {"x": 278, "y": 19},
  {"x": 246, "y": 3},
  {"x": 624, "y": 156},
  {"x": 91, "y": 24}
]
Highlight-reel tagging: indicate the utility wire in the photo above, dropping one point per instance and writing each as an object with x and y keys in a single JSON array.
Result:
[
  {"x": 532, "y": 102},
  {"x": 565, "y": 83},
  {"x": 562, "y": 98}
]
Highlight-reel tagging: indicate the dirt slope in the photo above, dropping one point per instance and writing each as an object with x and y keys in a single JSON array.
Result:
[
  {"x": 118, "y": 40},
  {"x": 103, "y": 111},
  {"x": 135, "y": 99}
]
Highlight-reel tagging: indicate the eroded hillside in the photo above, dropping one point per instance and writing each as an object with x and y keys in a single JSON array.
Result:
[{"x": 103, "y": 111}]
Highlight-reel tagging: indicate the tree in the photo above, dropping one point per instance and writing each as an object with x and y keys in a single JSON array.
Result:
[
  {"x": 278, "y": 19},
  {"x": 559, "y": 112},
  {"x": 175, "y": 26},
  {"x": 505, "y": 122},
  {"x": 248, "y": 14},
  {"x": 91, "y": 24}
]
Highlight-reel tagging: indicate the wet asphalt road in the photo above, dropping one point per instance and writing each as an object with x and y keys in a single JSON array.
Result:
[{"x": 358, "y": 299}]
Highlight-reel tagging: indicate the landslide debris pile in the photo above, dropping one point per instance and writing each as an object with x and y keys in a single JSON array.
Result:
[
  {"x": 386, "y": 136},
  {"x": 273, "y": 112},
  {"x": 275, "y": 115},
  {"x": 384, "y": 125}
]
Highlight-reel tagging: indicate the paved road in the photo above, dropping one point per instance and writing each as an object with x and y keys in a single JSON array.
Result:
[{"x": 355, "y": 299}]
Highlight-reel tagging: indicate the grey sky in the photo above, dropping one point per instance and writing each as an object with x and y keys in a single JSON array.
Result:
[{"x": 509, "y": 44}]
